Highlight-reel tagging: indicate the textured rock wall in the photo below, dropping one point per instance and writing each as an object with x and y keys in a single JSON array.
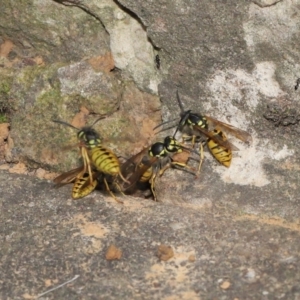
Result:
[
  {"x": 234, "y": 60},
  {"x": 62, "y": 61},
  {"x": 238, "y": 62}
]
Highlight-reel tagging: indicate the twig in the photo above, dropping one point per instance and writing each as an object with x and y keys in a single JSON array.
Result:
[{"x": 59, "y": 286}]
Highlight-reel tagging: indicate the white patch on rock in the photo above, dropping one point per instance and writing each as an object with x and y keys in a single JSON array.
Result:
[
  {"x": 241, "y": 87},
  {"x": 265, "y": 80},
  {"x": 247, "y": 164},
  {"x": 238, "y": 86}
]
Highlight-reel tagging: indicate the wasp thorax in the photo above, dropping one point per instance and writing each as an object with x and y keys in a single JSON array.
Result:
[
  {"x": 93, "y": 143},
  {"x": 220, "y": 134},
  {"x": 196, "y": 119},
  {"x": 158, "y": 150},
  {"x": 171, "y": 144}
]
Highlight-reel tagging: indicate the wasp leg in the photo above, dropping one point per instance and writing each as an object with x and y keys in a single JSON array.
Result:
[
  {"x": 183, "y": 165},
  {"x": 119, "y": 188},
  {"x": 162, "y": 170},
  {"x": 152, "y": 185},
  {"x": 201, "y": 158},
  {"x": 125, "y": 180},
  {"x": 110, "y": 192},
  {"x": 186, "y": 137},
  {"x": 86, "y": 164},
  {"x": 194, "y": 139}
]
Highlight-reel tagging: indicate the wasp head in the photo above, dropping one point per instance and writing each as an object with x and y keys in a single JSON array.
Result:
[
  {"x": 89, "y": 137},
  {"x": 158, "y": 150}
]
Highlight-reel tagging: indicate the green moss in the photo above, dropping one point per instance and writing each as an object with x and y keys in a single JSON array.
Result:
[
  {"x": 38, "y": 86},
  {"x": 5, "y": 87},
  {"x": 29, "y": 75},
  {"x": 32, "y": 74},
  {"x": 3, "y": 118},
  {"x": 51, "y": 97}
]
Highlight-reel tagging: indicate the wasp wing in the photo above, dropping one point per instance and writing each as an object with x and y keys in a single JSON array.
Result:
[
  {"x": 136, "y": 166},
  {"x": 216, "y": 138},
  {"x": 238, "y": 133},
  {"x": 130, "y": 165},
  {"x": 68, "y": 177}
]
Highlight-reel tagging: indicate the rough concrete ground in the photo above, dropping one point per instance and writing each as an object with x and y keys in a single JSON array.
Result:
[{"x": 219, "y": 251}]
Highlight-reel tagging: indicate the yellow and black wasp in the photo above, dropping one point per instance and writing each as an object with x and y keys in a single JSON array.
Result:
[
  {"x": 95, "y": 157},
  {"x": 197, "y": 126},
  {"x": 152, "y": 161}
]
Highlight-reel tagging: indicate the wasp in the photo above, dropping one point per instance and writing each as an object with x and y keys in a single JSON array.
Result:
[
  {"x": 153, "y": 161},
  {"x": 95, "y": 155},
  {"x": 198, "y": 125},
  {"x": 82, "y": 185}
]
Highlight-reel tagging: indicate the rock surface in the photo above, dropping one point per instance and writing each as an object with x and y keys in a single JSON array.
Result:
[
  {"x": 219, "y": 252},
  {"x": 237, "y": 63},
  {"x": 234, "y": 232}
]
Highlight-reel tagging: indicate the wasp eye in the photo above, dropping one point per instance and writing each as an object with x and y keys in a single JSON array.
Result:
[
  {"x": 80, "y": 134},
  {"x": 168, "y": 140}
]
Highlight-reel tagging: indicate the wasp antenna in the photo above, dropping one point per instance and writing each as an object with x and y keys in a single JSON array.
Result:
[
  {"x": 189, "y": 149},
  {"x": 163, "y": 123},
  {"x": 64, "y": 123},
  {"x": 175, "y": 132},
  {"x": 97, "y": 120},
  {"x": 179, "y": 102},
  {"x": 164, "y": 129}
]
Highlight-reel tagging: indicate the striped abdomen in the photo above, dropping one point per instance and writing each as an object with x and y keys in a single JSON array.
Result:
[
  {"x": 82, "y": 186},
  {"x": 104, "y": 160},
  {"x": 220, "y": 153},
  {"x": 146, "y": 175}
]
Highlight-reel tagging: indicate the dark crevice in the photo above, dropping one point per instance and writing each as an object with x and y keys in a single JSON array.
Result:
[
  {"x": 136, "y": 17},
  {"x": 131, "y": 13},
  {"x": 77, "y": 3},
  {"x": 266, "y": 5}
]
